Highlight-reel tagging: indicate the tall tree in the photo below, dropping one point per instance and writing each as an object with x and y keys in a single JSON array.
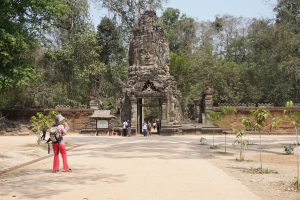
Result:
[
  {"x": 113, "y": 54},
  {"x": 229, "y": 37},
  {"x": 72, "y": 55},
  {"x": 74, "y": 21},
  {"x": 273, "y": 51},
  {"x": 129, "y": 11},
  {"x": 80, "y": 58},
  {"x": 22, "y": 24},
  {"x": 180, "y": 31},
  {"x": 109, "y": 37},
  {"x": 288, "y": 13}
]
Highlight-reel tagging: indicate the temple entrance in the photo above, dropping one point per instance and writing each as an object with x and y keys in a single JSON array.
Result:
[
  {"x": 149, "y": 110},
  {"x": 150, "y": 92}
]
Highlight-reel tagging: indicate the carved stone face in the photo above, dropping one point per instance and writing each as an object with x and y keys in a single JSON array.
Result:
[{"x": 147, "y": 56}]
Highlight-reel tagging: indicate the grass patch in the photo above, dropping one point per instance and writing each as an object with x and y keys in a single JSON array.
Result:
[
  {"x": 260, "y": 171},
  {"x": 292, "y": 185},
  {"x": 214, "y": 147},
  {"x": 244, "y": 160},
  {"x": 225, "y": 153}
]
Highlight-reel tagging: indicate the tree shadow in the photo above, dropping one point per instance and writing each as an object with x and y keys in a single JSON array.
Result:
[
  {"x": 34, "y": 184},
  {"x": 153, "y": 148}
]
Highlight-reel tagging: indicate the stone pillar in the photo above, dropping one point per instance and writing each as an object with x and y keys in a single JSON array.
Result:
[
  {"x": 164, "y": 112},
  {"x": 197, "y": 112},
  {"x": 209, "y": 97},
  {"x": 143, "y": 111},
  {"x": 208, "y": 102},
  {"x": 134, "y": 113}
]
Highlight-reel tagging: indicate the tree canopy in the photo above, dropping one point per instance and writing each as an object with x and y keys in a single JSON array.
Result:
[{"x": 51, "y": 54}]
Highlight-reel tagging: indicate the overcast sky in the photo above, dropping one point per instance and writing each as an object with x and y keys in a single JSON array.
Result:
[{"x": 208, "y": 9}]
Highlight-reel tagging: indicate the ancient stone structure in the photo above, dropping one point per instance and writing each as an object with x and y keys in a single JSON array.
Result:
[{"x": 149, "y": 75}]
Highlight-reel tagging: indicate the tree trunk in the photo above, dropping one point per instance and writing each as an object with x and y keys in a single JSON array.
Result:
[
  {"x": 261, "y": 167},
  {"x": 241, "y": 150},
  {"x": 297, "y": 140},
  {"x": 213, "y": 138},
  {"x": 225, "y": 142}
]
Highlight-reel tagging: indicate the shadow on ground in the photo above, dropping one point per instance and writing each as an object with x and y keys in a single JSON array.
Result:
[
  {"x": 34, "y": 183},
  {"x": 144, "y": 148}
]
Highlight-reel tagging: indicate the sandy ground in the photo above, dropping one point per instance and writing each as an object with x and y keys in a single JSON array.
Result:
[{"x": 138, "y": 168}]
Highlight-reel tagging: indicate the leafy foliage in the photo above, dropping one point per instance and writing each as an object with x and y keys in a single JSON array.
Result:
[
  {"x": 288, "y": 13},
  {"x": 240, "y": 134},
  {"x": 21, "y": 27},
  {"x": 180, "y": 31},
  {"x": 259, "y": 122},
  {"x": 216, "y": 116},
  {"x": 112, "y": 54},
  {"x": 128, "y": 12},
  {"x": 41, "y": 122},
  {"x": 294, "y": 118},
  {"x": 243, "y": 60}
]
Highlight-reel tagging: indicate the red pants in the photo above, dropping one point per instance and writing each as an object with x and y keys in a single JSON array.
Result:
[{"x": 62, "y": 149}]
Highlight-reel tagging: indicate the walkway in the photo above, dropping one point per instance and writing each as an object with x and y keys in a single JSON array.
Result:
[{"x": 135, "y": 168}]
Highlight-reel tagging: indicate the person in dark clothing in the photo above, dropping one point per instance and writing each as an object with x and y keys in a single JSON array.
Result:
[
  {"x": 110, "y": 129},
  {"x": 128, "y": 128},
  {"x": 44, "y": 134},
  {"x": 158, "y": 126},
  {"x": 149, "y": 128}
]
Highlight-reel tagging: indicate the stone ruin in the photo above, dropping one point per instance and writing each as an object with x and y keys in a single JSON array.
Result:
[{"x": 149, "y": 75}]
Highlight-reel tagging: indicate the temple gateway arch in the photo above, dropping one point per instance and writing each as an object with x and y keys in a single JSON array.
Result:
[{"x": 149, "y": 76}]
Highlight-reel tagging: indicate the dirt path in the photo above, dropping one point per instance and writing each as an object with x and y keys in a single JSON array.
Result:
[{"x": 137, "y": 168}]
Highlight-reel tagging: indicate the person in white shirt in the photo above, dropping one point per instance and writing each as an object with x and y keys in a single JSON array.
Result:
[
  {"x": 145, "y": 129},
  {"x": 124, "y": 128}
]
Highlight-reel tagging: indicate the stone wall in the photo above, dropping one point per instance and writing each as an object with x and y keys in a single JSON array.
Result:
[
  {"x": 233, "y": 120},
  {"x": 77, "y": 118}
]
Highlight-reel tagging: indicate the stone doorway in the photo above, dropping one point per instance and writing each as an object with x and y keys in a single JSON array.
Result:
[
  {"x": 149, "y": 109},
  {"x": 149, "y": 77}
]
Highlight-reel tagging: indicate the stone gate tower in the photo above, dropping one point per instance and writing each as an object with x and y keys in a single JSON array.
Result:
[{"x": 149, "y": 75}]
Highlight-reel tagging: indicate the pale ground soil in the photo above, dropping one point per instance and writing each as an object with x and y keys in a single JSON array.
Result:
[
  {"x": 275, "y": 186},
  {"x": 119, "y": 168}
]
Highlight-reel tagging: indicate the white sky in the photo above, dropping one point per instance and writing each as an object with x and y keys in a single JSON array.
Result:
[{"x": 208, "y": 9}]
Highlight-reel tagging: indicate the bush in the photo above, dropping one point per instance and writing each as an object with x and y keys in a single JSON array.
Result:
[{"x": 288, "y": 149}]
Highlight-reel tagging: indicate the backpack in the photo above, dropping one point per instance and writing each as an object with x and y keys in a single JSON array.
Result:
[{"x": 55, "y": 136}]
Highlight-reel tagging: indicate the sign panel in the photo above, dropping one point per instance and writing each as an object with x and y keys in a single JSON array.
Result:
[{"x": 102, "y": 124}]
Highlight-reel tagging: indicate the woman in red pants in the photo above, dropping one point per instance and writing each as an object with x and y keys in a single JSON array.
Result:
[{"x": 58, "y": 144}]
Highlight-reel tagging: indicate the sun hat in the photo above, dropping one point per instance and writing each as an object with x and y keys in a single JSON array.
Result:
[{"x": 59, "y": 118}]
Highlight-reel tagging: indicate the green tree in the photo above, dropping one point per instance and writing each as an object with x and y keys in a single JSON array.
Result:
[
  {"x": 112, "y": 53},
  {"x": 73, "y": 69},
  {"x": 272, "y": 58},
  {"x": 22, "y": 26},
  {"x": 214, "y": 117},
  {"x": 180, "y": 31},
  {"x": 42, "y": 122},
  {"x": 287, "y": 13},
  {"x": 260, "y": 122},
  {"x": 77, "y": 70},
  {"x": 110, "y": 40},
  {"x": 229, "y": 34},
  {"x": 128, "y": 12},
  {"x": 240, "y": 134}
]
